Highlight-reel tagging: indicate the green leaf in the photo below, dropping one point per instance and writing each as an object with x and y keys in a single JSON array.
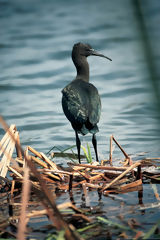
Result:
[
  {"x": 114, "y": 224},
  {"x": 85, "y": 152},
  {"x": 89, "y": 153},
  {"x": 58, "y": 236},
  {"x": 87, "y": 227},
  {"x": 151, "y": 231}
]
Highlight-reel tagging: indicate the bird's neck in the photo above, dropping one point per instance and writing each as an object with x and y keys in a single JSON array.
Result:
[{"x": 82, "y": 67}]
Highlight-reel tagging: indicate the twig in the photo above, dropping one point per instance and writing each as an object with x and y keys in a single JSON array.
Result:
[
  {"x": 12, "y": 188},
  {"x": 111, "y": 150},
  {"x": 80, "y": 215},
  {"x": 48, "y": 161},
  {"x": 40, "y": 162},
  {"x": 70, "y": 182},
  {"x": 100, "y": 167},
  {"x": 19, "y": 153},
  {"x": 8, "y": 151},
  {"x": 15, "y": 172},
  {"x": 4, "y": 141},
  {"x": 55, "y": 171},
  {"x": 125, "y": 154},
  {"x": 58, "y": 219},
  {"x": 121, "y": 175},
  {"x": 131, "y": 185},
  {"x": 51, "y": 164},
  {"x": 98, "y": 176},
  {"x": 34, "y": 152},
  {"x": 92, "y": 185},
  {"x": 154, "y": 187},
  {"x": 139, "y": 173},
  {"x": 25, "y": 199}
]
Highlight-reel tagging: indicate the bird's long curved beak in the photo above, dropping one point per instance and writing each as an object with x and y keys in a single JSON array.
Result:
[{"x": 95, "y": 53}]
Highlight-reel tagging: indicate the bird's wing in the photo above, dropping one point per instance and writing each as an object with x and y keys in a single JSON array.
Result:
[
  {"x": 73, "y": 105},
  {"x": 94, "y": 105}
]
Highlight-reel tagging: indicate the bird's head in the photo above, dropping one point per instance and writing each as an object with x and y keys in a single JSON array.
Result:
[{"x": 81, "y": 49}]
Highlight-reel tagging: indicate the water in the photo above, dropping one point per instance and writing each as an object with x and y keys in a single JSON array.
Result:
[
  {"x": 36, "y": 43},
  {"x": 35, "y": 64}
]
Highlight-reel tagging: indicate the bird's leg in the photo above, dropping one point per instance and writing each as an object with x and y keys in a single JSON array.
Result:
[
  {"x": 78, "y": 143},
  {"x": 94, "y": 142}
]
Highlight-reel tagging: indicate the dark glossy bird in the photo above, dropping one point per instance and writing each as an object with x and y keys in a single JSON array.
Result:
[{"x": 81, "y": 102}]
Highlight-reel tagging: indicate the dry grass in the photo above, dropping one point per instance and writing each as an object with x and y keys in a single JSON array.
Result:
[{"x": 34, "y": 172}]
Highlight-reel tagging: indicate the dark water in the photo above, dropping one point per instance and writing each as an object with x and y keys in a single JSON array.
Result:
[{"x": 35, "y": 64}]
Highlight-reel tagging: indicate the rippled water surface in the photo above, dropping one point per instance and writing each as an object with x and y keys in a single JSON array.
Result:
[
  {"x": 35, "y": 64},
  {"x": 35, "y": 47}
]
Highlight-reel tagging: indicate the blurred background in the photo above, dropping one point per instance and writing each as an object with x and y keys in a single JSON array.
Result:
[{"x": 36, "y": 41}]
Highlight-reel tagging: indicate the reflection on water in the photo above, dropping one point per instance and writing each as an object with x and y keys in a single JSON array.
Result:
[{"x": 35, "y": 64}]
